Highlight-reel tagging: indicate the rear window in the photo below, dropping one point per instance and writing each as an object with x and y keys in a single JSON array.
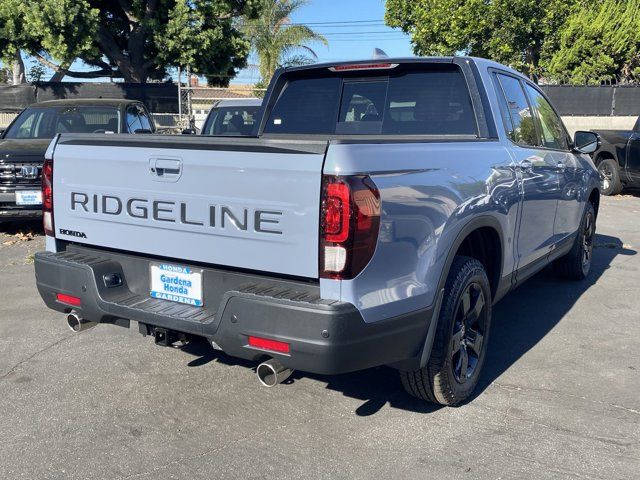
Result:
[
  {"x": 231, "y": 121},
  {"x": 431, "y": 101}
]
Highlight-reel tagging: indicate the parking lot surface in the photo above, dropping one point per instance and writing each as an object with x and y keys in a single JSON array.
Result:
[{"x": 559, "y": 396}]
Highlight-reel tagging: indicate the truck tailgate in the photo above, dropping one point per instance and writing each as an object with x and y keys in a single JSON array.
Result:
[{"x": 243, "y": 203}]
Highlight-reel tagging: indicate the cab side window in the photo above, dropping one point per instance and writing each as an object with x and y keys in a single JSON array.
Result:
[
  {"x": 522, "y": 128},
  {"x": 144, "y": 119},
  {"x": 133, "y": 121},
  {"x": 553, "y": 133}
]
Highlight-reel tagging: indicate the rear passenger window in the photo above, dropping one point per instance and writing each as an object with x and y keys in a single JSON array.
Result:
[
  {"x": 522, "y": 129},
  {"x": 431, "y": 101}
]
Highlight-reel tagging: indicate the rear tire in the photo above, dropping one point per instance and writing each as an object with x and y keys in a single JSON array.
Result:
[
  {"x": 610, "y": 173},
  {"x": 576, "y": 264},
  {"x": 460, "y": 342}
]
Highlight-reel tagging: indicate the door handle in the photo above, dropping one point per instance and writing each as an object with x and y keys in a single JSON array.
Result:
[
  {"x": 165, "y": 169},
  {"x": 165, "y": 166}
]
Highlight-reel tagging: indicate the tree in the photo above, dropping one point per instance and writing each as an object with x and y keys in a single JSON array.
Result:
[
  {"x": 46, "y": 30},
  {"x": 521, "y": 33},
  {"x": 276, "y": 41},
  {"x": 599, "y": 44},
  {"x": 136, "y": 40}
]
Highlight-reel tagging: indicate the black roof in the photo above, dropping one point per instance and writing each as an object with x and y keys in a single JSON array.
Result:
[{"x": 110, "y": 102}]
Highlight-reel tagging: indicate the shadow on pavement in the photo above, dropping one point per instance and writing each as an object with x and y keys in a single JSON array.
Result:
[
  {"x": 15, "y": 227},
  {"x": 518, "y": 325},
  {"x": 518, "y": 321}
]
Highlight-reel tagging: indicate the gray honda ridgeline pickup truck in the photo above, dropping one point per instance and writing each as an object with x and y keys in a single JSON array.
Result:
[{"x": 378, "y": 212}]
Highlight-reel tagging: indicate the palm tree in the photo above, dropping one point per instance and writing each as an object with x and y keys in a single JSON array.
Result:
[{"x": 277, "y": 42}]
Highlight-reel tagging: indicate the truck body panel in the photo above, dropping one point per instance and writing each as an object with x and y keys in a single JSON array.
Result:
[
  {"x": 244, "y": 208},
  {"x": 429, "y": 191}
]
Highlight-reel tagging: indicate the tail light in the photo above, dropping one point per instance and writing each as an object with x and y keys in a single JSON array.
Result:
[
  {"x": 350, "y": 220},
  {"x": 47, "y": 197}
]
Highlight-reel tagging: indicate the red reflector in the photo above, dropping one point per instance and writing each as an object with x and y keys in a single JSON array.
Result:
[
  {"x": 69, "y": 299},
  {"x": 363, "y": 66},
  {"x": 266, "y": 344}
]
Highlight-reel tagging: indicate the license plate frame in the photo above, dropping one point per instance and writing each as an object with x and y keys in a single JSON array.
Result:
[
  {"x": 28, "y": 197},
  {"x": 176, "y": 283}
]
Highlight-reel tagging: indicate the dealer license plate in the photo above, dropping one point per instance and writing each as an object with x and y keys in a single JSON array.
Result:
[
  {"x": 176, "y": 283},
  {"x": 28, "y": 197}
]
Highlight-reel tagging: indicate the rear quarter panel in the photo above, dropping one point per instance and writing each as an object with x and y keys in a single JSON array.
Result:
[{"x": 429, "y": 193}]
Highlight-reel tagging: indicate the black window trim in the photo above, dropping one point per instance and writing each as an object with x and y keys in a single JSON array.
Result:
[{"x": 500, "y": 93}]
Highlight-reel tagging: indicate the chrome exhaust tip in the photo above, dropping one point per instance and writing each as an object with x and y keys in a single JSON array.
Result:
[
  {"x": 78, "y": 324},
  {"x": 272, "y": 372}
]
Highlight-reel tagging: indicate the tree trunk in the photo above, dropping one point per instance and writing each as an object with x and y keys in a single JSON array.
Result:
[
  {"x": 18, "y": 70},
  {"x": 136, "y": 74},
  {"x": 60, "y": 73}
]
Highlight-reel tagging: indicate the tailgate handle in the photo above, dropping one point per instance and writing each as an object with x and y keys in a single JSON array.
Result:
[{"x": 165, "y": 169}]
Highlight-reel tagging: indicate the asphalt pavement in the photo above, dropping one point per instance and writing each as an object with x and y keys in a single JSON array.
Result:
[{"x": 559, "y": 396}]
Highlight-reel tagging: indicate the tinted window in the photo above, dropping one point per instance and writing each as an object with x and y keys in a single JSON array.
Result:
[
  {"x": 133, "y": 122},
  {"x": 39, "y": 122},
  {"x": 307, "y": 105},
  {"x": 231, "y": 121},
  {"x": 522, "y": 129},
  {"x": 432, "y": 101},
  {"x": 24, "y": 126},
  {"x": 362, "y": 107},
  {"x": 553, "y": 133},
  {"x": 505, "y": 114}
]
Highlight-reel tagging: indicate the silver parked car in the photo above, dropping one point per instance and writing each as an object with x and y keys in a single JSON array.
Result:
[{"x": 235, "y": 117}]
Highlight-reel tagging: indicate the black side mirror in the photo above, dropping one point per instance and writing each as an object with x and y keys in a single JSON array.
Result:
[
  {"x": 2, "y": 130},
  {"x": 586, "y": 142},
  {"x": 188, "y": 131}
]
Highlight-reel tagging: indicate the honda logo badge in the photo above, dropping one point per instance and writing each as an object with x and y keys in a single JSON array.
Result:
[{"x": 29, "y": 171}]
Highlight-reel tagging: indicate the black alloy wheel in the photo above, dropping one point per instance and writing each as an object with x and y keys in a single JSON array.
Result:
[{"x": 468, "y": 332}]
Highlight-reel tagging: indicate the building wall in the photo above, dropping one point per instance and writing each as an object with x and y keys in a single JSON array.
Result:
[{"x": 574, "y": 123}]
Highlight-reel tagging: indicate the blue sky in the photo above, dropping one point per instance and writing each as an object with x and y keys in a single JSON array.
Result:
[
  {"x": 346, "y": 40},
  {"x": 355, "y": 40}
]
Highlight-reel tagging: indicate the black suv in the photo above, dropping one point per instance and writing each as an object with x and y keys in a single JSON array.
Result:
[{"x": 24, "y": 142}]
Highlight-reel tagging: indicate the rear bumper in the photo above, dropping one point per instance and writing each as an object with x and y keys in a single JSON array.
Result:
[
  {"x": 325, "y": 337},
  {"x": 10, "y": 211},
  {"x": 19, "y": 213}
]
